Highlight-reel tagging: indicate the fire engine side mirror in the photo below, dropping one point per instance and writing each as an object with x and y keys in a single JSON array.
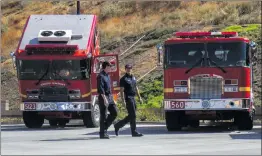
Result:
[
  {"x": 12, "y": 54},
  {"x": 160, "y": 48},
  {"x": 253, "y": 47},
  {"x": 88, "y": 70}
]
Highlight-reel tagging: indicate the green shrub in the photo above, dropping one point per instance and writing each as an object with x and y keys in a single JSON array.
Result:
[
  {"x": 4, "y": 28},
  {"x": 152, "y": 93},
  {"x": 142, "y": 113},
  {"x": 145, "y": 114},
  {"x": 251, "y": 31}
]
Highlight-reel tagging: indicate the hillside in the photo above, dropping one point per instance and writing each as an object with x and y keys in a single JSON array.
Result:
[{"x": 122, "y": 23}]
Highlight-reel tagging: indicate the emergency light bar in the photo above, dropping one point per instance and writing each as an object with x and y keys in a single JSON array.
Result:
[
  {"x": 50, "y": 49},
  {"x": 205, "y": 34}
]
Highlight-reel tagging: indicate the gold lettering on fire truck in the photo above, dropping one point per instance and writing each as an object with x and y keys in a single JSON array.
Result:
[{"x": 52, "y": 83}]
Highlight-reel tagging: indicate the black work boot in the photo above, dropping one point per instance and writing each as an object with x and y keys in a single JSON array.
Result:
[
  {"x": 116, "y": 130},
  {"x": 136, "y": 134},
  {"x": 104, "y": 135}
]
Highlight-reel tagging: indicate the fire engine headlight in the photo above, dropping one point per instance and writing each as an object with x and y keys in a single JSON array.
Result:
[
  {"x": 74, "y": 94},
  {"x": 115, "y": 84},
  {"x": 180, "y": 89},
  {"x": 231, "y": 89},
  {"x": 32, "y": 96}
]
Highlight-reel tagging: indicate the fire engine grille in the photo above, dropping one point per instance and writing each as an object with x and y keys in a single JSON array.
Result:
[
  {"x": 206, "y": 88},
  {"x": 53, "y": 94},
  {"x": 53, "y": 91}
]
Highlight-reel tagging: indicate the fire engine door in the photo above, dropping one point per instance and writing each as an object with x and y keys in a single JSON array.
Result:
[{"x": 114, "y": 73}]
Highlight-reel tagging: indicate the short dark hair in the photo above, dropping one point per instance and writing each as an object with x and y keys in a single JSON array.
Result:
[
  {"x": 105, "y": 64},
  {"x": 128, "y": 66}
]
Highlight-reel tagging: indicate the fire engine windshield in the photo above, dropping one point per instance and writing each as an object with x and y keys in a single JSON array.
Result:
[
  {"x": 228, "y": 53},
  {"x": 69, "y": 69},
  {"x": 56, "y": 69},
  {"x": 224, "y": 54},
  {"x": 32, "y": 69},
  {"x": 184, "y": 55}
]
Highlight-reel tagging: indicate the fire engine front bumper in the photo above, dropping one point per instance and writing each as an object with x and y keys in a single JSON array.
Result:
[
  {"x": 212, "y": 104},
  {"x": 55, "y": 106}
]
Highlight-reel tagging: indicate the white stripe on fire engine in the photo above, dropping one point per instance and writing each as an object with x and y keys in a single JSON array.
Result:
[{"x": 167, "y": 104}]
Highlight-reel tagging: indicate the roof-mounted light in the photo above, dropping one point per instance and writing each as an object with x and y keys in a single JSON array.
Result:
[
  {"x": 50, "y": 49},
  {"x": 205, "y": 34}
]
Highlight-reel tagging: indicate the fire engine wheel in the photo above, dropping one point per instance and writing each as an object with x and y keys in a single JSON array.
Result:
[
  {"x": 194, "y": 123},
  {"x": 62, "y": 123},
  {"x": 91, "y": 118},
  {"x": 53, "y": 123},
  {"x": 244, "y": 121},
  {"x": 173, "y": 121},
  {"x": 33, "y": 120}
]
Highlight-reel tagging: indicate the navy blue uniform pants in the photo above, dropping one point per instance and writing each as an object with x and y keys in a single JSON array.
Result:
[
  {"x": 131, "y": 117},
  {"x": 106, "y": 121}
]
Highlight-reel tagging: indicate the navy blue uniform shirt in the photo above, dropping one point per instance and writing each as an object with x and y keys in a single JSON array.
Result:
[
  {"x": 128, "y": 82},
  {"x": 103, "y": 83}
]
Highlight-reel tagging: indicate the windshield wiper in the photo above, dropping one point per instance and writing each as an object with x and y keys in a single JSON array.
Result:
[
  {"x": 65, "y": 80},
  {"x": 41, "y": 78},
  {"x": 198, "y": 62},
  {"x": 214, "y": 63}
]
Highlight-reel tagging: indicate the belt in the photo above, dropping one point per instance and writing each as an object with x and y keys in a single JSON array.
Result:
[
  {"x": 127, "y": 96},
  {"x": 106, "y": 94}
]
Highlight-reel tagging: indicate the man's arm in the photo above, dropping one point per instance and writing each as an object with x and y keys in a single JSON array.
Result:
[
  {"x": 138, "y": 94},
  {"x": 122, "y": 91},
  {"x": 122, "y": 94},
  {"x": 100, "y": 88},
  {"x": 137, "y": 91}
]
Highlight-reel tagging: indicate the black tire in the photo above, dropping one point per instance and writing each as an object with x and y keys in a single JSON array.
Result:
[
  {"x": 244, "y": 121},
  {"x": 173, "y": 121},
  {"x": 91, "y": 118},
  {"x": 62, "y": 123},
  {"x": 53, "y": 123},
  {"x": 32, "y": 119},
  {"x": 194, "y": 123}
]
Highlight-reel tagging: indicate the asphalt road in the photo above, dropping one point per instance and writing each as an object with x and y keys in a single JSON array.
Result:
[{"x": 16, "y": 139}]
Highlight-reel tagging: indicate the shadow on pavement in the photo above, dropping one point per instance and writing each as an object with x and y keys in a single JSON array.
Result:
[
  {"x": 44, "y": 128},
  {"x": 255, "y": 133},
  {"x": 76, "y": 139},
  {"x": 161, "y": 130},
  {"x": 252, "y": 136}
]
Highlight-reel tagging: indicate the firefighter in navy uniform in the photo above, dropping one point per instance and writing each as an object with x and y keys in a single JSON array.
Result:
[
  {"x": 105, "y": 100},
  {"x": 128, "y": 90}
]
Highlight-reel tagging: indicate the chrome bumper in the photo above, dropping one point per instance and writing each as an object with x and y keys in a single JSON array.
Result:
[
  {"x": 55, "y": 106},
  {"x": 199, "y": 104}
]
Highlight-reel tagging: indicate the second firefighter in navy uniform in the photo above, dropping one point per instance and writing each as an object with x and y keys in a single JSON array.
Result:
[{"x": 128, "y": 90}]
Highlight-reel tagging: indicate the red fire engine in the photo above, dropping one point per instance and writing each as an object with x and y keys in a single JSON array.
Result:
[
  {"x": 208, "y": 76},
  {"x": 57, "y": 61}
]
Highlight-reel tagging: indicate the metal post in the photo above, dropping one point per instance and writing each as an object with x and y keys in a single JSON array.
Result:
[
  {"x": 7, "y": 105},
  {"x": 78, "y": 7},
  {"x": 159, "y": 53}
]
